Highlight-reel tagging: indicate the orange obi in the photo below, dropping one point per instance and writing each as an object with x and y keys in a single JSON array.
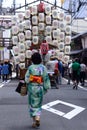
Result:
[{"x": 36, "y": 79}]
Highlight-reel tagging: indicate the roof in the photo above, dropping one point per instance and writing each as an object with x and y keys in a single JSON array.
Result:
[{"x": 78, "y": 35}]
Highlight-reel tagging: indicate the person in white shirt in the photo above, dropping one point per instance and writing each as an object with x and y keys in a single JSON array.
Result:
[{"x": 83, "y": 70}]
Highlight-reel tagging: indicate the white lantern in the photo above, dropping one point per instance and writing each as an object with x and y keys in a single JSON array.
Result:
[
  {"x": 35, "y": 40},
  {"x": 35, "y": 30},
  {"x": 22, "y": 57},
  {"x": 68, "y": 19},
  {"x": 55, "y": 13},
  {"x": 14, "y": 40},
  {"x": 55, "y": 24},
  {"x": 67, "y": 39},
  {"x": 67, "y": 49},
  {"x": 47, "y": 9},
  {"x": 27, "y": 34},
  {"x": 55, "y": 34},
  {"x": 60, "y": 55},
  {"x": 48, "y": 19},
  {"x": 62, "y": 36},
  {"x": 21, "y": 47},
  {"x": 34, "y": 20},
  {"x": 22, "y": 65},
  {"x": 21, "y": 37},
  {"x": 49, "y": 39},
  {"x": 27, "y": 14},
  {"x": 28, "y": 53},
  {"x": 66, "y": 59},
  {"x": 48, "y": 30},
  {"x": 68, "y": 29},
  {"x": 61, "y": 15},
  {"x": 20, "y": 27},
  {"x": 61, "y": 46},
  {"x": 28, "y": 44},
  {"x": 41, "y": 17},
  {"x": 62, "y": 26},
  {"x": 41, "y": 26},
  {"x": 15, "y": 50},
  {"x": 34, "y": 10},
  {"x": 20, "y": 17},
  {"x": 27, "y": 24},
  {"x": 15, "y": 30},
  {"x": 55, "y": 43}
]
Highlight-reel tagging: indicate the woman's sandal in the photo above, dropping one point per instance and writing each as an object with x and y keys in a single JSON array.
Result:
[{"x": 37, "y": 120}]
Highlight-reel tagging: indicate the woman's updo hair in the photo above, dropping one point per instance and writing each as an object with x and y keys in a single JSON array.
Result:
[{"x": 36, "y": 58}]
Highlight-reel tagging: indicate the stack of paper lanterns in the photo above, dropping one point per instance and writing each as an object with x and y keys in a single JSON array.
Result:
[{"x": 31, "y": 28}]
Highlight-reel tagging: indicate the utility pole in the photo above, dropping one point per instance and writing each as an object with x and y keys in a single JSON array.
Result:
[{"x": 1, "y": 7}]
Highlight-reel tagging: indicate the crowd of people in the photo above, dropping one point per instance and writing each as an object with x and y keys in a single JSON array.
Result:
[
  {"x": 6, "y": 71},
  {"x": 77, "y": 72}
]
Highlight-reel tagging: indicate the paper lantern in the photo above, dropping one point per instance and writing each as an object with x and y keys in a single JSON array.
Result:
[
  {"x": 14, "y": 20},
  {"x": 41, "y": 7},
  {"x": 48, "y": 19},
  {"x": 55, "y": 43},
  {"x": 20, "y": 17},
  {"x": 68, "y": 19},
  {"x": 27, "y": 24},
  {"x": 62, "y": 36},
  {"x": 15, "y": 30},
  {"x": 34, "y": 10},
  {"x": 60, "y": 55},
  {"x": 16, "y": 59},
  {"x": 28, "y": 53},
  {"x": 34, "y": 20},
  {"x": 15, "y": 50},
  {"x": 47, "y": 9},
  {"x": 55, "y": 24},
  {"x": 68, "y": 29},
  {"x": 62, "y": 26},
  {"x": 28, "y": 44},
  {"x": 27, "y": 34},
  {"x": 22, "y": 57},
  {"x": 21, "y": 37},
  {"x": 67, "y": 49},
  {"x": 20, "y": 27},
  {"x": 14, "y": 40},
  {"x": 41, "y": 17},
  {"x": 48, "y": 30},
  {"x": 61, "y": 46},
  {"x": 55, "y": 33},
  {"x": 35, "y": 30},
  {"x": 61, "y": 15},
  {"x": 35, "y": 40},
  {"x": 66, "y": 59},
  {"x": 22, "y": 65},
  {"x": 21, "y": 47},
  {"x": 27, "y": 14},
  {"x": 67, "y": 39},
  {"x": 54, "y": 13},
  {"x": 49, "y": 39},
  {"x": 41, "y": 26}
]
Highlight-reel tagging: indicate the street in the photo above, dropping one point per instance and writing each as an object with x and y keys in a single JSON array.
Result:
[{"x": 63, "y": 108}]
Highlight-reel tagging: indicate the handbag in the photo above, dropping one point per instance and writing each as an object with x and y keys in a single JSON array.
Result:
[{"x": 21, "y": 89}]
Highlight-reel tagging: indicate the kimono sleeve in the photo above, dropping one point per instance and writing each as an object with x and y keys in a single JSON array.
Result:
[
  {"x": 27, "y": 76},
  {"x": 46, "y": 80}
]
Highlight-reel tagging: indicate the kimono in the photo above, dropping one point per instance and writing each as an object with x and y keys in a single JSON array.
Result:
[{"x": 36, "y": 90}]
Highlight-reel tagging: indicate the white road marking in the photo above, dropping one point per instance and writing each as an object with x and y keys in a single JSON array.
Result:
[
  {"x": 4, "y": 83},
  {"x": 76, "y": 109}
]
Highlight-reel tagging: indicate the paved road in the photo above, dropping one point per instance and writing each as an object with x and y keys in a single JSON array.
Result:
[{"x": 63, "y": 109}]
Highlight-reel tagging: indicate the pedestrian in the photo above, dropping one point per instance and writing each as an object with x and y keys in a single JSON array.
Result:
[
  {"x": 10, "y": 66},
  {"x": 38, "y": 83},
  {"x": 5, "y": 71},
  {"x": 83, "y": 71},
  {"x": 75, "y": 73},
  {"x": 69, "y": 71}
]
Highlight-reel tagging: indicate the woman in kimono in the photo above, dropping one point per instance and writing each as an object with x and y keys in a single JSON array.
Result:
[{"x": 38, "y": 83}]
